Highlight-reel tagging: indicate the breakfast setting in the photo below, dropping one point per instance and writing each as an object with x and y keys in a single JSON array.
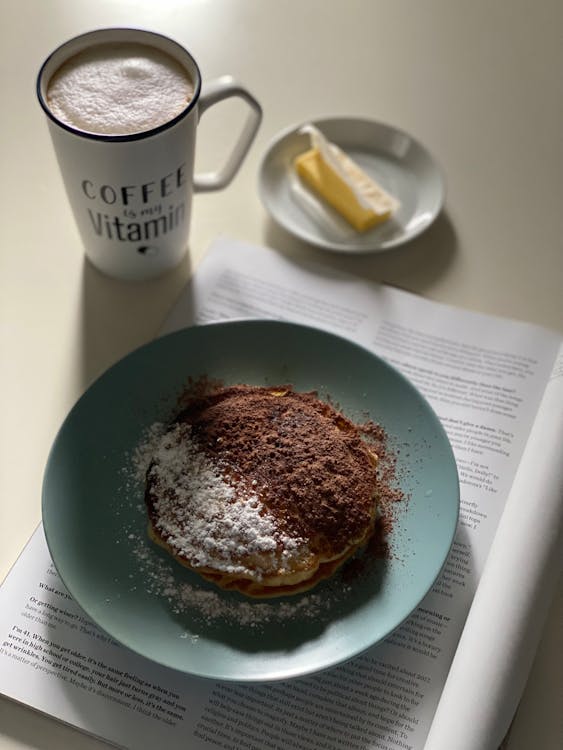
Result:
[{"x": 283, "y": 384}]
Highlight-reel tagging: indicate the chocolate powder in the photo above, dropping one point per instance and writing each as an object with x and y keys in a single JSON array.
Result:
[{"x": 308, "y": 463}]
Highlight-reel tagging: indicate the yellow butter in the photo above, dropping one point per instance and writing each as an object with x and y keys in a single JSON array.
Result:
[{"x": 336, "y": 178}]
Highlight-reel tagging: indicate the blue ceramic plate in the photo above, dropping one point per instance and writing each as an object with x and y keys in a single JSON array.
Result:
[{"x": 95, "y": 522}]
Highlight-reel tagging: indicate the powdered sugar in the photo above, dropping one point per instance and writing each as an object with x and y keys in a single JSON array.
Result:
[
  {"x": 198, "y": 602},
  {"x": 209, "y": 518},
  {"x": 144, "y": 451}
]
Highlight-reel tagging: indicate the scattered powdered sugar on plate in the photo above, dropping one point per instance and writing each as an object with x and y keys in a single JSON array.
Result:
[
  {"x": 207, "y": 605},
  {"x": 166, "y": 580}
]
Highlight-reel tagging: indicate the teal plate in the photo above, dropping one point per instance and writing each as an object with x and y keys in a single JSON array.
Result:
[{"x": 95, "y": 523}]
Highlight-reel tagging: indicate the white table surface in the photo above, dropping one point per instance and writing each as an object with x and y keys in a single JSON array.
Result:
[{"x": 480, "y": 83}]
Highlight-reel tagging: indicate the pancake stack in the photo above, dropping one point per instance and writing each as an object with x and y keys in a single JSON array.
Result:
[{"x": 261, "y": 490}]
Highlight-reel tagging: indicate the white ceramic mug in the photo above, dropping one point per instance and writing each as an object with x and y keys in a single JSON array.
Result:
[{"x": 131, "y": 194}]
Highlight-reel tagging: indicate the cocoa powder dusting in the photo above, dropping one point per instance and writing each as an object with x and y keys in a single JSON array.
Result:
[
  {"x": 308, "y": 462},
  {"x": 315, "y": 471}
]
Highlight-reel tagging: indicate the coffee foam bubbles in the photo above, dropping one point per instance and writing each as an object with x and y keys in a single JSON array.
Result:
[{"x": 119, "y": 89}]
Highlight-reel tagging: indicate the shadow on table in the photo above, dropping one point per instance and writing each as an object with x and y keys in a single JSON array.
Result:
[
  {"x": 119, "y": 316},
  {"x": 414, "y": 266},
  {"x": 28, "y": 728}
]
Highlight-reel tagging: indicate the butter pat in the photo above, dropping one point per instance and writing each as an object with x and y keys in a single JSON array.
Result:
[{"x": 342, "y": 183}]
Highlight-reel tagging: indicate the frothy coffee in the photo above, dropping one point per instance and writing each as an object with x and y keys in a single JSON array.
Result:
[{"x": 119, "y": 89}]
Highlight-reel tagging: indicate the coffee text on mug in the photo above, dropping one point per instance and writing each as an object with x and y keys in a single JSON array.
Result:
[
  {"x": 124, "y": 194},
  {"x": 151, "y": 204}
]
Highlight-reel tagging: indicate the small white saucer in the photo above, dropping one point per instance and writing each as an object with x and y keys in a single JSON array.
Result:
[{"x": 399, "y": 163}]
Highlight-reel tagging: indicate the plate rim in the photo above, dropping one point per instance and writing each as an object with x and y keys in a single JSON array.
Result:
[
  {"x": 279, "y": 673},
  {"x": 342, "y": 247}
]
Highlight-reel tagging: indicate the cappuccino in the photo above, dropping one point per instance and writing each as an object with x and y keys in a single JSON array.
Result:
[
  {"x": 119, "y": 89},
  {"x": 123, "y": 107}
]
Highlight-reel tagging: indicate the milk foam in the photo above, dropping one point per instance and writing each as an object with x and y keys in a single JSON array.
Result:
[{"x": 119, "y": 89}]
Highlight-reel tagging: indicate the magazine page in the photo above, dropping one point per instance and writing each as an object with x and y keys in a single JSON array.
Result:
[
  {"x": 526, "y": 559},
  {"x": 53, "y": 659},
  {"x": 485, "y": 378},
  {"x": 473, "y": 369}
]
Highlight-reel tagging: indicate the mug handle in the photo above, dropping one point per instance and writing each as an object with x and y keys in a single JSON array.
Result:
[{"x": 215, "y": 91}]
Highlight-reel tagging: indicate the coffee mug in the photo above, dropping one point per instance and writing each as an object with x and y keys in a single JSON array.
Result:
[{"x": 123, "y": 107}]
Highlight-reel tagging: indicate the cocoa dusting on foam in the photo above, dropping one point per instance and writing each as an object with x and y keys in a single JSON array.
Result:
[{"x": 211, "y": 605}]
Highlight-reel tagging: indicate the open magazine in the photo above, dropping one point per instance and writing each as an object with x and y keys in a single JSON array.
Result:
[{"x": 460, "y": 660}]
